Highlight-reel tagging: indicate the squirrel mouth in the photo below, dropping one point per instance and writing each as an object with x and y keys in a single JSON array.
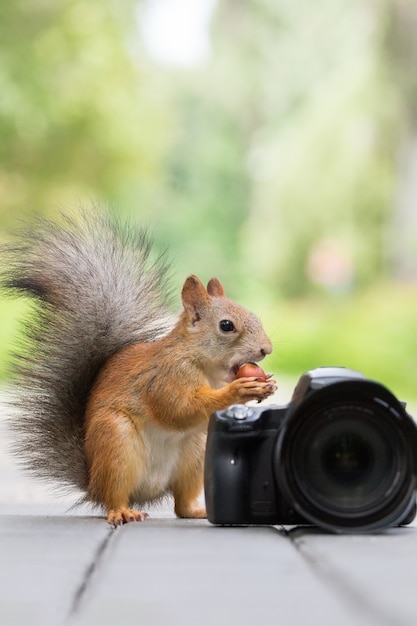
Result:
[{"x": 233, "y": 371}]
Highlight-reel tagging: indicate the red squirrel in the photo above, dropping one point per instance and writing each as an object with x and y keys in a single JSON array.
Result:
[{"x": 112, "y": 397}]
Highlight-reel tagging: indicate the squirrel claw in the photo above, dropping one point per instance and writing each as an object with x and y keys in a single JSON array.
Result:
[{"x": 117, "y": 517}]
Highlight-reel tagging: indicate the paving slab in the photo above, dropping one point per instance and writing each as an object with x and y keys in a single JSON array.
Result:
[
  {"x": 77, "y": 571},
  {"x": 43, "y": 564},
  {"x": 377, "y": 573},
  {"x": 173, "y": 572},
  {"x": 66, "y": 567}
]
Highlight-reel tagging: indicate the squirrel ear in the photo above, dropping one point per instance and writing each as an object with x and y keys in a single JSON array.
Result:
[
  {"x": 215, "y": 288},
  {"x": 194, "y": 297}
]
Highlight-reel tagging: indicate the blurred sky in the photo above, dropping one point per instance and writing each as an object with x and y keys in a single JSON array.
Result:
[{"x": 176, "y": 31}]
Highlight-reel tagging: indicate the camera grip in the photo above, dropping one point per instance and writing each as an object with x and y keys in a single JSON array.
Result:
[{"x": 226, "y": 481}]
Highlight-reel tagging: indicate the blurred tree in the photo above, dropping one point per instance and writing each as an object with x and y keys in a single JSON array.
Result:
[
  {"x": 284, "y": 139},
  {"x": 288, "y": 138},
  {"x": 78, "y": 119},
  {"x": 320, "y": 159},
  {"x": 399, "y": 55}
]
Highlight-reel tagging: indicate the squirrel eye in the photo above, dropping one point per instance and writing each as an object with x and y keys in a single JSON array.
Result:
[{"x": 227, "y": 326}]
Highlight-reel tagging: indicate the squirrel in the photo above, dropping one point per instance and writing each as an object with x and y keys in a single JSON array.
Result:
[{"x": 112, "y": 396}]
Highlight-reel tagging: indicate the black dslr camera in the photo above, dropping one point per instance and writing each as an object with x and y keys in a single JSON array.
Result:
[{"x": 341, "y": 455}]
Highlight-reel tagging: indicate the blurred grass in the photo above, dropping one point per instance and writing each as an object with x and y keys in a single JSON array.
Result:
[
  {"x": 374, "y": 332},
  {"x": 12, "y": 315}
]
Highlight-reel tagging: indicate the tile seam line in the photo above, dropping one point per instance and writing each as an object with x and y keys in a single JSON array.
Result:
[
  {"x": 85, "y": 584},
  {"x": 346, "y": 592}
]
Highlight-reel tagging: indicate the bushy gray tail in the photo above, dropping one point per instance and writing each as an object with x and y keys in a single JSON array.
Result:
[{"x": 96, "y": 291}]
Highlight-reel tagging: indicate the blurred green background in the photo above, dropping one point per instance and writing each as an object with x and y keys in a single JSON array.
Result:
[{"x": 272, "y": 143}]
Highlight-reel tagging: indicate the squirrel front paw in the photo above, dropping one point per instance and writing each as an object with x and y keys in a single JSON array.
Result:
[
  {"x": 117, "y": 517},
  {"x": 245, "y": 389}
]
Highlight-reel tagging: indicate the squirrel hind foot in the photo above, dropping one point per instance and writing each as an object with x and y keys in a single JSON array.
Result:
[
  {"x": 117, "y": 517},
  {"x": 192, "y": 513}
]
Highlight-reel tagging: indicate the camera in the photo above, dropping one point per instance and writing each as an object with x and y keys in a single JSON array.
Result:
[{"x": 342, "y": 455}]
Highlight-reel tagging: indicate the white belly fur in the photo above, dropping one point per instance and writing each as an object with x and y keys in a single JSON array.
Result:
[{"x": 162, "y": 454}]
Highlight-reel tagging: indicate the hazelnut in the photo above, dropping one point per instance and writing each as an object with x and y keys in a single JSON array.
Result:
[{"x": 249, "y": 370}]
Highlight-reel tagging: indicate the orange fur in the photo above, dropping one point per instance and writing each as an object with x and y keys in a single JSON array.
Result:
[{"x": 149, "y": 407}]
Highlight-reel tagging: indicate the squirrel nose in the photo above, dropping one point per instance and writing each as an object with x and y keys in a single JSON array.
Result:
[{"x": 266, "y": 349}]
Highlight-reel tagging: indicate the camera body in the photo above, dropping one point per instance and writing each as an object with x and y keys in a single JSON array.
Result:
[{"x": 341, "y": 455}]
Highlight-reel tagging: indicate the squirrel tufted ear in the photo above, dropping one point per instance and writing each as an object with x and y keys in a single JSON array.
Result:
[
  {"x": 194, "y": 297},
  {"x": 215, "y": 288}
]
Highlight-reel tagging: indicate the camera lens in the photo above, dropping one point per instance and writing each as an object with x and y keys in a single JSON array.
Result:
[{"x": 344, "y": 462}]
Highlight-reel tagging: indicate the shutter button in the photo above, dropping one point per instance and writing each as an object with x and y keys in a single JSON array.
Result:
[{"x": 238, "y": 411}]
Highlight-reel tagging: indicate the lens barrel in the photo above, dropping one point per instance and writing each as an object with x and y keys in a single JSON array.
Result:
[{"x": 345, "y": 457}]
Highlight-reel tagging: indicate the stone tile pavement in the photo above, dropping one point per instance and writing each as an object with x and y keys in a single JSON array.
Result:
[{"x": 68, "y": 567}]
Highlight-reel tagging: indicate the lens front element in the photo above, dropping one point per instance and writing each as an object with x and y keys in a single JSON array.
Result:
[
  {"x": 347, "y": 458},
  {"x": 345, "y": 462}
]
